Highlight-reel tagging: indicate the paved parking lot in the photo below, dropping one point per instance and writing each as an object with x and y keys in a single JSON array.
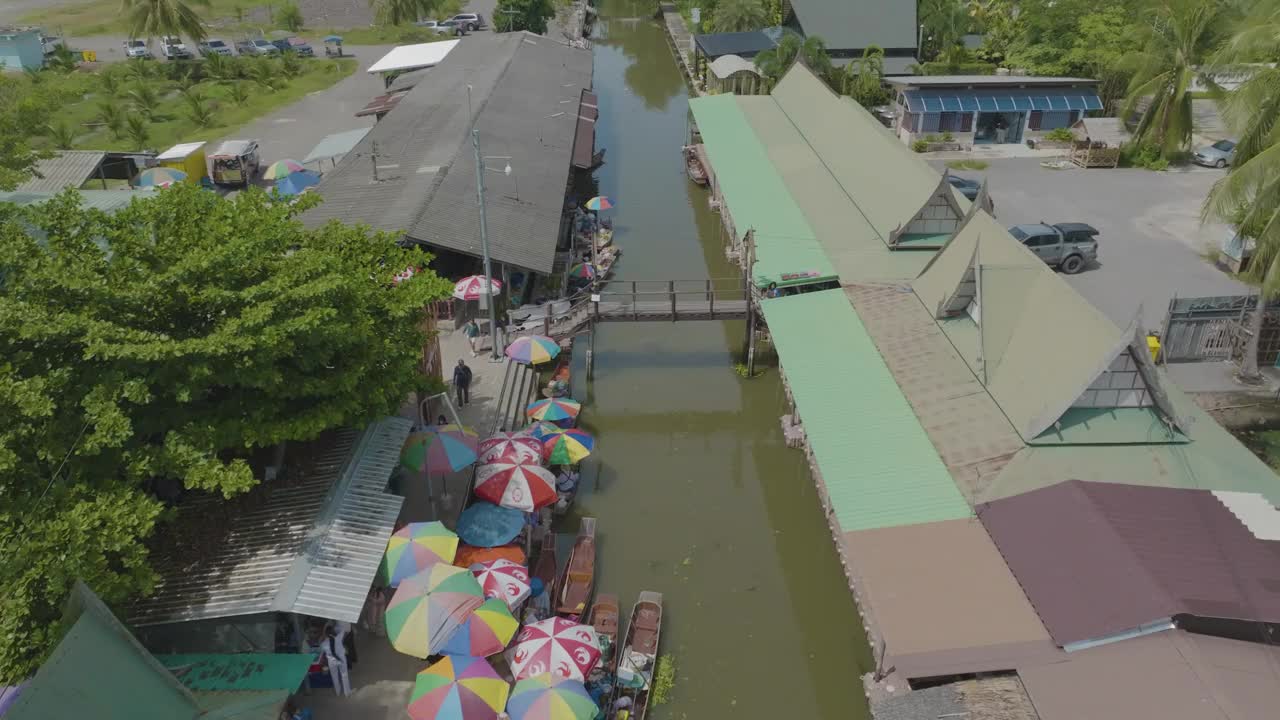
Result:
[{"x": 1152, "y": 244}]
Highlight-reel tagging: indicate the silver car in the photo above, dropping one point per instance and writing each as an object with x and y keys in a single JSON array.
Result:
[
  {"x": 1219, "y": 154},
  {"x": 1066, "y": 246}
]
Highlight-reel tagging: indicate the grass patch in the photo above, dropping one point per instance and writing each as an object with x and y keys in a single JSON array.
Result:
[
  {"x": 968, "y": 164},
  {"x": 383, "y": 35},
  {"x": 102, "y": 17}
]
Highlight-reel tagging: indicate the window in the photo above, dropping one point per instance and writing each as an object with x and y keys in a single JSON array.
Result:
[
  {"x": 1224, "y": 145},
  {"x": 947, "y": 122},
  {"x": 1041, "y": 240},
  {"x": 1033, "y": 123},
  {"x": 1052, "y": 120},
  {"x": 929, "y": 122},
  {"x": 966, "y": 122},
  {"x": 1079, "y": 236}
]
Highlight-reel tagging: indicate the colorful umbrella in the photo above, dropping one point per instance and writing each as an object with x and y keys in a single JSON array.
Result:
[
  {"x": 551, "y": 697},
  {"x": 584, "y": 271},
  {"x": 333, "y": 38},
  {"x": 295, "y": 183},
  {"x": 469, "y": 555},
  {"x": 553, "y": 409},
  {"x": 567, "y": 447},
  {"x": 458, "y": 688},
  {"x": 510, "y": 447},
  {"x": 485, "y": 525},
  {"x": 485, "y": 633},
  {"x": 514, "y": 485},
  {"x": 282, "y": 169},
  {"x": 440, "y": 449},
  {"x": 599, "y": 203},
  {"x": 504, "y": 580},
  {"x": 416, "y": 547},
  {"x": 557, "y": 646},
  {"x": 540, "y": 431},
  {"x": 472, "y": 287},
  {"x": 428, "y": 608},
  {"x": 159, "y": 177},
  {"x": 533, "y": 349}
]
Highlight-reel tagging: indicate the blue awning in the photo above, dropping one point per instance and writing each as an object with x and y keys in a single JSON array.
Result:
[{"x": 1012, "y": 100}]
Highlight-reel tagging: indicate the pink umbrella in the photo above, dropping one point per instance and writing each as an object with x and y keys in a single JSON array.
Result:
[
  {"x": 511, "y": 447},
  {"x": 557, "y": 646},
  {"x": 516, "y": 485},
  {"x": 471, "y": 288},
  {"x": 504, "y": 580}
]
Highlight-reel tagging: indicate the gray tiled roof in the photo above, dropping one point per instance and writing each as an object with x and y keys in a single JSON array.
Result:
[
  {"x": 858, "y": 24},
  {"x": 425, "y": 184},
  {"x": 69, "y": 168}
]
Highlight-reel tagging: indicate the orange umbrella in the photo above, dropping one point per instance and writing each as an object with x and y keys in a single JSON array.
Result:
[{"x": 469, "y": 555}]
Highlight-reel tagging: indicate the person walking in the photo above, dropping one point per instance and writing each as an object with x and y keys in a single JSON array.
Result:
[
  {"x": 462, "y": 382},
  {"x": 472, "y": 331}
]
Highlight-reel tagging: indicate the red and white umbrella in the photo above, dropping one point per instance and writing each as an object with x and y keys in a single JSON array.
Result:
[
  {"x": 510, "y": 447},
  {"x": 521, "y": 486},
  {"x": 502, "y": 579},
  {"x": 555, "y": 645},
  {"x": 471, "y": 288}
]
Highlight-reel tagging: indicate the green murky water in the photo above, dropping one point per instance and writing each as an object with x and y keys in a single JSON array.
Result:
[{"x": 696, "y": 494}]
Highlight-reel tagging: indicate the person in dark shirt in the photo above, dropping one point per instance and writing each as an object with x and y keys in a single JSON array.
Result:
[{"x": 462, "y": 382}]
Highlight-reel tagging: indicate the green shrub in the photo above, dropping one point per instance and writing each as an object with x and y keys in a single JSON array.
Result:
[
  {"x": 1143, "y": 156},
  {"x": 938, "y": 67},
  {"x": 948, "y": 137},
  {"x": 1059, "y": 135},
  {"x": 290, "y": 16},
  {"x": 919, "y": 145}
]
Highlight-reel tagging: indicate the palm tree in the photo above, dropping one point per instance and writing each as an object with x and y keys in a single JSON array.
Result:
[
  {"x": 1177, "y": 38},
  {"x": 199, "y": 110},
  {"x": 864, "y": 79},
  {"x": 145, "y": 100},
  {"x": 1248, "y": 197},
  {"x": 740, "y": 15},
  {"x": 148, "y": 18},
  {"x": 111, "y": 115},
  {"x": 139, "y": 131},
  {"x": 398, "y": 12},
  {"x": 110, "y": 82},
  {"x": 62, "y": 134},
  {"x": 812, "y": 51},
  {"x": 945, "y": 23},
  {"x": 239, "y": 93}
]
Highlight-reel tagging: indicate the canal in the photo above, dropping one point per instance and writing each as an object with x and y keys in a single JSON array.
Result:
[{"x": 697, "y": 496}]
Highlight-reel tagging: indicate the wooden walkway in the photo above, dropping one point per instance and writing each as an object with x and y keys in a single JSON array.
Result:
[{"x": 644, "y": 301}]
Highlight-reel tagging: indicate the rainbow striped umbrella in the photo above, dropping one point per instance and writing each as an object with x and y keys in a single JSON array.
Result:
[
  {"x": 458, "y": 688},
  {"x": 533, "y": 349},
  {"x": 428, "y": 608},
  {"x": 551, "y": 697},
  {"x": 540, "y": 430},
  {"x": 584, "y": 271},
  {"x": 416, "y": 547},
  {"x": 553, "y": 409},
  {"x": 599, "y": 203},
  {"x": 567, "y": 447},
  {"x": 485, "y": 633},
  {"x": 159, "y": 177},
  {"x": 282, "y": 169},
  {"x": 441, "y": 449}
]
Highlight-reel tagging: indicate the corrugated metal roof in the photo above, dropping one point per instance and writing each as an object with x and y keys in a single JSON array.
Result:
[
  {"x": 742, "y": 44},
  {"x": 1172, "y": 675},
  {"x": 878, "y": 465},
  {"x": 425, "y": 176},
  {"x": 584, "y": 136},
  {"x": 1256, "y": 512},
  {"x": 756, "y": 195},
  {"x": 336, "y": 144},
  {"x": 104, "y": 200},
  {"x": 69, "y": 168},
  {"x": 943, "y": 600},
  {"x": 1099, "y": 559},
  {"x": 858, "y": 24},
  {"x": 987, "y": 80},
  {"x": 306, "y": 547},
  {"x": 242, "y": 671},
  {"x": 726, "y": 65},
  {"x": 409, "y": 57}
]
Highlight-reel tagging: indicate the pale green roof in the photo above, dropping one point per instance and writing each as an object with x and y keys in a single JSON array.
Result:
[
  {"x": 104, "y": 200},
  {"x": 877, "y": 462},
  {"x": 756, "y": 196}
]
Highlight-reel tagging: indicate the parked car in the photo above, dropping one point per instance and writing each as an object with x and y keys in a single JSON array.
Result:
[
  {"x": 1219, "y": 154},
  {"x": 256, "y": 46},
  {"x": 1066, "y": 246},
  {"x": 470, "y": 21},
  {"x": 214, "y": 46},
  {"x": 294, "y": 44},
  {"x": 450, "y": 27},
  {"x": 969, "y": 188},
  {"x": 137, "y": 49},
  {"x": 174, "y": 49}
]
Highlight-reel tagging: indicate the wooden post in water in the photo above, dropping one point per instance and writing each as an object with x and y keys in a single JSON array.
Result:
[
  {"x": 751, "y": 339},
  {"x": 591, "y": 351}
]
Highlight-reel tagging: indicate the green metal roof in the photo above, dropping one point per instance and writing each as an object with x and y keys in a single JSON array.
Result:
[
  {"x": 879, "y": 466},
  {"x": 104, "y": 200},
  {"x": 756, "y": 196},
  {"x": 246, "y": 671}
]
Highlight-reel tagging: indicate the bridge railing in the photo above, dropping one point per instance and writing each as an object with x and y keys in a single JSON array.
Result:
[{"x": 620, "y": 299}]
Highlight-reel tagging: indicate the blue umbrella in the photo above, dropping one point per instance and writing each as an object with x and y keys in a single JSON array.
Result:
[
  {"x": 487, "y": 525},
  {"x": 295, "y": 183}
]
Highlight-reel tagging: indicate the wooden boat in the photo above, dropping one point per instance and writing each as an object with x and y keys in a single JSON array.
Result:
[
  {"x": 579, "y": 573},
  {"x": 604, "y": 618},
  {"x": 693, "y": 166},
  {"x": 545, "y": 569},
  {"x": 638, "y": 657}
]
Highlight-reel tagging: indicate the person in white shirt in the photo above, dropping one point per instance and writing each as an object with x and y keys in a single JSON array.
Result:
[{"x": 336, "y": 655}]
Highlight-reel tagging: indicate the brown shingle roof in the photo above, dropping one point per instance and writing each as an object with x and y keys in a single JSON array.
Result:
[{"x": 1097, "y": 559}]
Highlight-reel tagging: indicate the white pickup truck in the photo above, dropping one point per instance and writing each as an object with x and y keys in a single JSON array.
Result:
[
  {"x": 174, "y": 49},
  {"x": 137, "y": 49}
]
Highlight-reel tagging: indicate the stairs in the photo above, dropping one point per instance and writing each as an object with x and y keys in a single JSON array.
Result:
[{"x": 519, "y": 387}]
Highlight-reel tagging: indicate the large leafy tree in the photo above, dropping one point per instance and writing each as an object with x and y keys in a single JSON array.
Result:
[
  {"x": 158, "y": 347},
  {"x": 398, "y": 12},
  {"x": 1177, "y": 37},
  {"x": 864, "y": 79},
  {"x": 148, "y": 18},
  {"x": 22, "y": 113},
  {"x": 531, "y": 15},
  {"x": 740, "y": 15},
  {"x": 945, "y": 23},
  {"x": 1249, "y": 195},
  {"x": 812, "y": 51}
]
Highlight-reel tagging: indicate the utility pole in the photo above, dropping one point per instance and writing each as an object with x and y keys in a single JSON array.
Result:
[{"x": 484, "y": 247}]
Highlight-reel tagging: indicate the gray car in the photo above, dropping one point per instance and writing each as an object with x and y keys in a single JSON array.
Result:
[
  {"x": 1219, "y": 154},
  {"x": 1066, "y": 246}
]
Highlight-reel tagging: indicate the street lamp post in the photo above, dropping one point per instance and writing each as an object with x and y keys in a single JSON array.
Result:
[{"x": 484, "y": 248}]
